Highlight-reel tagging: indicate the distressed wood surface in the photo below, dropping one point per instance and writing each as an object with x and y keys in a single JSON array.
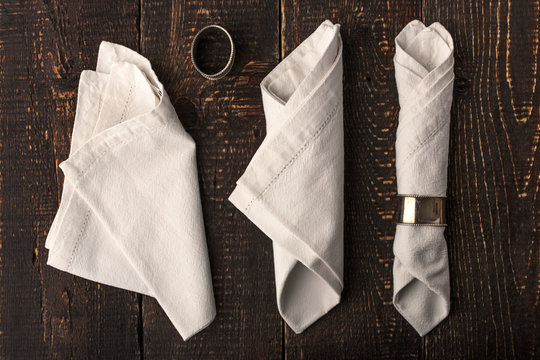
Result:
[
  {"x": 493, "y": 190},
  {"x": 45, "y": 313}
]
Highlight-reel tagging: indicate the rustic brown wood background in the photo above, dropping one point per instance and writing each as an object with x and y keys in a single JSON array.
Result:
[{"x": 494, "y": 200}]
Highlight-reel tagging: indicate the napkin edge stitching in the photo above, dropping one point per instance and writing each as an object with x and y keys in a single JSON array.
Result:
[
  {"x": 294, "y": 157},
  {"x": 77, "y": 242},
  {"x": 110, "y": 148},
  {"x": 428, "y": 139}
]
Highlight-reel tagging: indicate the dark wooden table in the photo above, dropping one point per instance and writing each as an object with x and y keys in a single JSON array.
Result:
[{"x": 493, "y": 190}]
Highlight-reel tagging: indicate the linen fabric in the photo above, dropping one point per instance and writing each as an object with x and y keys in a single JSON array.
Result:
[
  {"x": 293, "y": 187},
  {"x": 424, "y": 67},
  {"x": 130, "y": 214}
]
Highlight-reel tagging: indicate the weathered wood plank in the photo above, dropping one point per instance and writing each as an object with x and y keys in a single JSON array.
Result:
[
  {"x": 494, "y": 182},
  {"x": 494, "y": 179},
  {"x": 44, "y": 45},
  {"x": 226, "y": 120},
  {"x": 365, "y": 324}
]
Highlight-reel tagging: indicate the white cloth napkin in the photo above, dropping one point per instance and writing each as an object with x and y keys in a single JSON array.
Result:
[
  {"x": 130, "y": 214},
  {"x": 293, "y": 187},
  {"x": 424, "y": 66}
]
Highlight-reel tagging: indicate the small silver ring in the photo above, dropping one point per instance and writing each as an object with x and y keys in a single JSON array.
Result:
[{"x": 220, "y": 74}]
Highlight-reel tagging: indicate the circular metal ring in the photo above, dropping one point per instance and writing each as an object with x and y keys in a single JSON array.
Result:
[
  {"x": 422, "y": 210},
  {"x": 220, "y": 74}
]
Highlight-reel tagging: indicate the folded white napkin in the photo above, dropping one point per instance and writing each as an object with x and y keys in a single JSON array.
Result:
[
  {"x": 424, "y": 66},
  {"x": 130, "y": 214},
  {"x": 293, "y": 187}
]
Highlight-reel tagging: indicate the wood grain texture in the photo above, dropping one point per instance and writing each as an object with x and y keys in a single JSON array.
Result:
[
  {"x": 44, "y": 312},
  {"x": 493, "y": 189}
]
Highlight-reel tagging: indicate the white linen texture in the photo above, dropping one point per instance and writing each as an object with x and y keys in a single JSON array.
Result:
[
  {"x": 293, "y": 187},
  {"x": 130, "y": 214},
  {"x": 424, "y": 68}
]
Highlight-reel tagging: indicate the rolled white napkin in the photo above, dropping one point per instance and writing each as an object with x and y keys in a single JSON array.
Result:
[
  {"x": 424, "y": 66},
  {"x": 130, "y": 214},
  {"x": 293, "y": 187}
]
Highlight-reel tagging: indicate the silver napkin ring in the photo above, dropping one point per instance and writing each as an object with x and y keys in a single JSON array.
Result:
[
  {"x": 422, "y": 210},
  {"x": 220, "y": 74}
]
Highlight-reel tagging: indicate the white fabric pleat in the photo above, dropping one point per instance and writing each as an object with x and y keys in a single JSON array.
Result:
[
  {"x": 424, "y": 67},
  {"x": 130, "y": 214},
  {"x": 293, "y": 187}
]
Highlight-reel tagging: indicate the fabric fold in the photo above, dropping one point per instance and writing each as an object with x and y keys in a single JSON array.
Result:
[
  {"x": 130, "y": 214},
  {"x": 424, "y": 68},
  {"x": 293, "y": 187}
]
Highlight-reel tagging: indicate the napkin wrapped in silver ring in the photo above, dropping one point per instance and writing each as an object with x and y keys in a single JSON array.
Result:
[{"x": 424, "y": 67}]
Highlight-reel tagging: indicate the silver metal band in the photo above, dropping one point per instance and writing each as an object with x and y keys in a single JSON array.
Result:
[
  {"x": 220, "y": 74},
  {"x": 422, "y": 210}
]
